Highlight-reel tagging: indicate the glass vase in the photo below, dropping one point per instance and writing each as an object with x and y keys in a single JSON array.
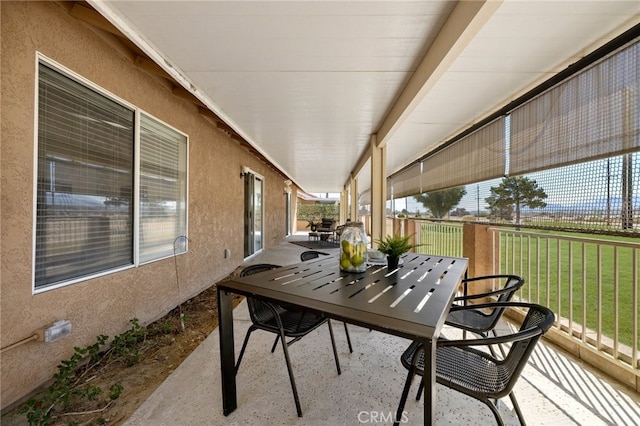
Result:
[{"x": 353, "y": 248}]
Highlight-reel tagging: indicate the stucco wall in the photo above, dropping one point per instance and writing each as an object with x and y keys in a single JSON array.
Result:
[{"x": 105, "y": 305}]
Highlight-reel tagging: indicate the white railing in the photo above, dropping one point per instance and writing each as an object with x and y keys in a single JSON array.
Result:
[
  {"x": 590, "y": 283},
  {"x": 442, "y": 238}
]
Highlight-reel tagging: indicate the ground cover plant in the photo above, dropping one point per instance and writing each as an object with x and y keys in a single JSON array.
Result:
[{"x": 121, "y": 377}]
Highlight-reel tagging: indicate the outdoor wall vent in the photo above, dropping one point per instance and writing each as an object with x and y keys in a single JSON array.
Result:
[{"x": 58, "y": 330}]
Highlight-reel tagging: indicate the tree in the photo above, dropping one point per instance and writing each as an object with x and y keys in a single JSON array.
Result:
[
  {"x": 441, "y": 202},
  {"x": 501, "y": 212},
  {"x": 460, "y": 211},
  {"x": 512, "y": 194}
]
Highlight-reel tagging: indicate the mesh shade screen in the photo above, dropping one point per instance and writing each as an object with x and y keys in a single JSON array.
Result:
[
  {"x": 476, "y": 157},
  {"x": 364, "y": 198},
  {"x": 594, "y": 114},
  {"x": 407, "y": 182}
]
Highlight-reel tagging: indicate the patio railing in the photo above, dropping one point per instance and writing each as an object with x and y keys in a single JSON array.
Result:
[
  {"x": 443, "y": 238},
  {"x": 592, "y": 284}
]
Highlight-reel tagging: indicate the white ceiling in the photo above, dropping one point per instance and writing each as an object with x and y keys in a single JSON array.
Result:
[{"x": 308, "y": 82}]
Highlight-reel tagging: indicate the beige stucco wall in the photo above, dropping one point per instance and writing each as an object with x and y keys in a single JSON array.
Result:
[{"x": 105, "y": 305}]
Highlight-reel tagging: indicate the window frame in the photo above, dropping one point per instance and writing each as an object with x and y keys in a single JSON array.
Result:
[{"x": 136, "y": 171}]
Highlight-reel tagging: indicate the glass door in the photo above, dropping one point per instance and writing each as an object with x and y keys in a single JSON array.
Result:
[
  {"x": 287, "y": 214},
  {"x": 253, "y": 218}
]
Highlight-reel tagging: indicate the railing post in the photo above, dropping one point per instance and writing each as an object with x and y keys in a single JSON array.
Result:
[
  {"x": 410, "y": 228},
  {"x": 477, "y": 247}
]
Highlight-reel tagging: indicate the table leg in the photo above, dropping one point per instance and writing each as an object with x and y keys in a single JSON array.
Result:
[
  {"x": 430, "y": 382},
  {"x": 227, "y": 355}
]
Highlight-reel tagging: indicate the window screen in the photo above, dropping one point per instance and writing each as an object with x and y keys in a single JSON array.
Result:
[{"x": 85, "y": 180}]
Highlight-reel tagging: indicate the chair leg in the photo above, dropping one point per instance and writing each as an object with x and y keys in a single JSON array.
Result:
[
  {"x": 335, "y": 351},
  {"x": 290, "y": 370},
  {"x": 516, "y": 407},
  {"x": 493, "y": 407},
  {"x": 405, "y": 393},
  {"x": 346, "y": 331},
  {"x": 275, "y": 343},
  {"x": 244, "y": 346},
  {"x": 496, "y": 413},
  {"x": 420, "y": 389}
]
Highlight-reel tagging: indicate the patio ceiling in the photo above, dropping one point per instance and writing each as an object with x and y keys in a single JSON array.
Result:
[{"x": 307, "y": 83}]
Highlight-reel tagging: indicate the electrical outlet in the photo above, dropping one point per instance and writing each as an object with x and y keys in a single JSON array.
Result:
[{"x": 227, "y": 253}]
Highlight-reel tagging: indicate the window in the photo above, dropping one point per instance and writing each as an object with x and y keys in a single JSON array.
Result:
[
  {"x": 86, "y": 210},
  {"x": 163, "y": 188}
]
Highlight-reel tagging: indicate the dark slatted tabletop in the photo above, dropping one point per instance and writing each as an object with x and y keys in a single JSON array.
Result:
[{"x": 409, "y": 301}]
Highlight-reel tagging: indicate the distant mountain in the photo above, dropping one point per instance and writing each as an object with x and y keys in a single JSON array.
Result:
[{"x": 596, "y": 205}]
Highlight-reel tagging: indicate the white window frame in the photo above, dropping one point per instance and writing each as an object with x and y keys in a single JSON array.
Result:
[{"x": 42, "y": 59}]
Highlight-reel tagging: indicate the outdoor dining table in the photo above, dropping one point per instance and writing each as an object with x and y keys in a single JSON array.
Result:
[{"x": 411, "y": 301}]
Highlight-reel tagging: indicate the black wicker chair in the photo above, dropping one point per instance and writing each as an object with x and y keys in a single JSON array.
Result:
[
  {"x": 313, "y": 254},
  {"x": 481, "y": 321},
  {"x": 477, "y": 373},
  {"x": 284, "y": 322}
]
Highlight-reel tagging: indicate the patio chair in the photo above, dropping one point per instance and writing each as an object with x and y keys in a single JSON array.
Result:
[
  {"x": 481, "y": 321},
  {"x": 475, "y": 372},
  {"x": 284, "y": 322},
  {"x": 313, "y": 254},
  {"x": 327, "y": 229}
]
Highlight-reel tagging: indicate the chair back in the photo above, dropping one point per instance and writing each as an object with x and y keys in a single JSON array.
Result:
[
  {"x": 327, "y": 224},
  {"x": 259, "y": 311},
  {"x": 535, "y": 324},
  {"x": 510, "y": 288},
  {"x": 487, "y": 319},
  {"x": 311, "y": 254},
  {"x": 254, "y": 269},
  {"x": 512, "y": 285}
]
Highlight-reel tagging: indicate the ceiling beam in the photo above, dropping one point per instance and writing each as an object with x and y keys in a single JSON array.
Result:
[
  {"x": 362, "y": 161},
  {"x": 464, "y": 22}
]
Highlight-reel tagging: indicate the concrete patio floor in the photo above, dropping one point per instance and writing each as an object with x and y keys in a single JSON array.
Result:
[{"x": 554, "y": 389}]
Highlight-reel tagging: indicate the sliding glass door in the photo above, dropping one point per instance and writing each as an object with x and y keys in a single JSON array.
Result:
[{"x": 253, "y": 218}]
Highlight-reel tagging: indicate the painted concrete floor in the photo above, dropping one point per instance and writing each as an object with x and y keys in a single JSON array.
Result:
[{"x": 554, "y": 388}]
